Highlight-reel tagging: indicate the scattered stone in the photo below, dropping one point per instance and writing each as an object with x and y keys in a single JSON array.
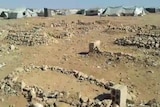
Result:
[
  {"x": 44, "y": 68},
  {"x": 152, "y": 72},
  {"x": 12, "y": 47},
  {"x": 2, "y": 99},
  {"x": 98, "y": 67},
  {"x": 36, "y": 105},
  {"x": 23, "y": 85},
  {"x": 116, "y": 105},
  {"x": 153, "y": 103},
  {"x": 2, "y": 65},
  {"x": 131, "y": 96},
  {"x": 84, "y": 99},
  {"x": 12, "y": 105},
  {"x": 107, "y": 103},
  {"x": 32, "y": 93},
  {"x": 19, "y": 69}
]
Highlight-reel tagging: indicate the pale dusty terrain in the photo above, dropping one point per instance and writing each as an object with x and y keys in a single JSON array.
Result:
[{"x": 65, "y": 53}]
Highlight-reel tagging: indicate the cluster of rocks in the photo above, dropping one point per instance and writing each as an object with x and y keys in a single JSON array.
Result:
[
  {"x": 61, "y": 35},
  {"x": 7, "y": 48},
  {"x": 112, "y": 58},
  {"x": 2, "y": 64},
  {"x": 80, "y": 22},
  {"x": 10, "y": 86},
  {"x": 123, "y": 28},
  {"x": 81, "y": 27},
  {"x": 94, "y": 49},
  {"x": 61, "y": 23},
  {"x": 133, "y": 28},
  {"x": 27, "y": 38},
  {"x": 148, "y": 41},
  {"x": 52, "y": 99}
]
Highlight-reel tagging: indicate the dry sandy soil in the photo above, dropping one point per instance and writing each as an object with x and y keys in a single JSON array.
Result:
[{"x": 65, "y": 53}]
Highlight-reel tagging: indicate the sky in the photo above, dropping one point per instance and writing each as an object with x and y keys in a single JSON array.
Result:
[{"x": 76, "y": 3}]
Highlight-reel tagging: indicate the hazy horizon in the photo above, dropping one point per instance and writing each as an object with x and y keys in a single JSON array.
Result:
[{"x": 77, "y": 3}]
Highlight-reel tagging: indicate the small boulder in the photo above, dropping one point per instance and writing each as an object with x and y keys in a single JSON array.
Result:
[
  {"x": 36, "y": 105},
  {"x": 32, "y": 93},
  {"x": 12, "y": 47},
  {"x": 84, "y": 99}
]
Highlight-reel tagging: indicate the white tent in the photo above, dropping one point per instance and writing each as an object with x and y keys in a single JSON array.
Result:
[
  {"x": 139, "y": 11},
  {"x": 113, "y": 11}
]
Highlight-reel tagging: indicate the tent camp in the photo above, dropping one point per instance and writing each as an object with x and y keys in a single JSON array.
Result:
[
  {"x": 18, "y": 13},
  {"x": 124, "y": 11}
]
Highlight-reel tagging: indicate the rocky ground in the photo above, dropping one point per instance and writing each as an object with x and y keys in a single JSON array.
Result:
[{"x": 46, "y": 61}]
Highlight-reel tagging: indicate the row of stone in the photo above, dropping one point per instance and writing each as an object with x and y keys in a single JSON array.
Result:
[
  {"x": 124, "y": 28},
  {"x": 149, "y": 34},
  {"x": 147, "y": 42},
  {"x": 77, "y": 74},
  {"x": 9, "y": 84}
]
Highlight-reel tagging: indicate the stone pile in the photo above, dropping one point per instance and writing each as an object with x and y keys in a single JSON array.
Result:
[
  {"x": 80, "y": 22},
  {"x": 123, "y": 28},
  {"x": 7, "y": 48},
  {"x": 63, "y": 35},
  {"x": 27, "y": 38},
  {"x": 2, "y": 65},
  {"x": 148, "y": 41},
  {"x": 51, "y": 99},
  {"x": 9, "y": 85},
  {"x": 61, "y": 23},
  {"x": 133, "y": 28},
  {"x": 118, "y": 57},
  {"x": 94, "y": 49}
]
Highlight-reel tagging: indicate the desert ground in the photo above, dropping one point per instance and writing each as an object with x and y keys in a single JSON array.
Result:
[{"x": 30, "y": 47}]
